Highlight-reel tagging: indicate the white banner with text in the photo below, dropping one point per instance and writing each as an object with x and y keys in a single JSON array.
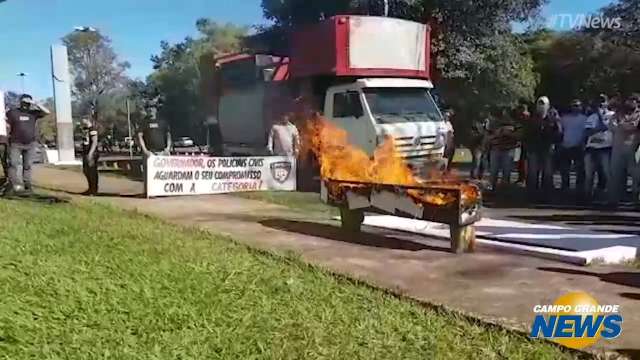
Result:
[{"x": 197, "y": 175}]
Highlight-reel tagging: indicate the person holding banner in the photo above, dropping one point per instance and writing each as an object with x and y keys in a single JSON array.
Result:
[
  {"x": 4, "y": 148},
  {"x": 284, "y": 138},
  {"x": 154, "y": 136}
]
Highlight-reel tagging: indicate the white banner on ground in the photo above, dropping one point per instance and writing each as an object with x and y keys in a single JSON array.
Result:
[{"x": 197, "y": 175}]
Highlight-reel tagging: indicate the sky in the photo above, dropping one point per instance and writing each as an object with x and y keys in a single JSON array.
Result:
[{"x": 136, "y": 27}]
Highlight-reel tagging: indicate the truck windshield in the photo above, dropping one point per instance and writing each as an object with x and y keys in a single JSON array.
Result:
[{"x": 397, "y": 105}]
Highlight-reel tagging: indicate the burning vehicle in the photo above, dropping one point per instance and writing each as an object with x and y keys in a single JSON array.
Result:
[{"x": 357, "y": 183}]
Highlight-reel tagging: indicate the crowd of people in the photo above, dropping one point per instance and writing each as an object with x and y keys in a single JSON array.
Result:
[{"x": 598, "y": 141}]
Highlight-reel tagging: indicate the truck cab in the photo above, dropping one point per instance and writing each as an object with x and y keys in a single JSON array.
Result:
[{"x": 372, "y": 110}]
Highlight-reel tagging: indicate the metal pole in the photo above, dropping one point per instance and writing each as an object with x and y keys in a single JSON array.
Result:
[{"x": 129, "y": 124}]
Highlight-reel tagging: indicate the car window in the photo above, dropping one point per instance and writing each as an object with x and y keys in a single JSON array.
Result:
[
  {"x": 340, "y": 108},
  {"x": 347, "y": 104}
]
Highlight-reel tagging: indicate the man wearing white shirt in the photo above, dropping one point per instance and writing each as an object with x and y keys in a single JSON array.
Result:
[
  {"x": 284, "y": 139},
  {"x": 598, "y": 148}
]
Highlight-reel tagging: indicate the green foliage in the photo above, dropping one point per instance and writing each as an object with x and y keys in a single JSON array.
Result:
[
  {"x": 47, "y": 125},
  {"x": 11, "y": 99},
  {"x": 586, "y": 62},
  {"x": 628, "y": 35},
  {"x": 177, "y": 75},
  {"x": 98, "y": 74}
]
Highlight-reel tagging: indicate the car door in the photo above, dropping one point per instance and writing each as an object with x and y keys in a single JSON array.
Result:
[{"x": 349, "y": 114}]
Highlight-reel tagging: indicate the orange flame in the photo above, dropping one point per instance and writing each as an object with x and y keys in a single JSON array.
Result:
[{"x": 339, "y": 160}]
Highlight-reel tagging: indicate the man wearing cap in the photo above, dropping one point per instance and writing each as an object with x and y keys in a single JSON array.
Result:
[
  {"x": 571, "y": 150},
  {"x": 21, "y": 122},
  {"x": 626, "y": 138},
  {"x": 541, "y": 133},
  {"x": 598, "y": 148},
  {"x": 154, "y": 134}
]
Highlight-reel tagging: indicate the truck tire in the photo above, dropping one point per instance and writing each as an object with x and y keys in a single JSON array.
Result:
[
  {"x": 351, "y": 220},
  {"x": 463, "y": 238}
]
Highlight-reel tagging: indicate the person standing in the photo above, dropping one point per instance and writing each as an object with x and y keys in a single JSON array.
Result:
[
  {"x": 284, "y": 138},
  {"x": 571, "y": 151},
  {"x": 450, "y": 143},
  {"x": 90, "y": 156},
  {"x": 541, "y": 133},
  {"x": 21, "y": 122},
  {"x": 154, "y": 135},
  {"x": 598, "y": 148},
  {"x": 522, "y": 115},
  {"x": 504, "y": 138},
  {"x": 624, "y": 162},
  {"x": 4, "y": 154},
  {"x": 479, "y": 147}
]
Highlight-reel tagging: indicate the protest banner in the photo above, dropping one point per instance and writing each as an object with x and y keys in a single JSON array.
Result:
[{"x": 197, "y": 175}]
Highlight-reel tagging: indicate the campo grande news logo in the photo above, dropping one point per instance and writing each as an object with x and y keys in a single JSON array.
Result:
[{"x": 576, "y": 320}]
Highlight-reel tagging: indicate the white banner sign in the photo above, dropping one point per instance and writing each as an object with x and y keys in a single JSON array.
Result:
[{"x": 196, "y": 175}]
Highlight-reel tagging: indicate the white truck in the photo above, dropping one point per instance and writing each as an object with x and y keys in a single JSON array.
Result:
[{"x": 368, "y": 75}]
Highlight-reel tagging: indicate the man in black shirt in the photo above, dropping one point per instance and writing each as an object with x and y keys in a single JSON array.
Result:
[
  {"x": 154, "y": 135},
  {"x": 21, "y": 123},
  {"x": 90, "y": 156},
  {"x": 4, "y": 157}
]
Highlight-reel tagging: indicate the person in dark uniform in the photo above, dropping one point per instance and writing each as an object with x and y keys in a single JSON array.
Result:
[
  {"x": 90, "y": 156},
  {"x": 21, "y": 122},
  {"x": 154, "y": 135},
  {"x": 4, "y": 158}
]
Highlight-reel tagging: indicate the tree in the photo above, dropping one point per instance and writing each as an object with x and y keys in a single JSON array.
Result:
[
  {"x": 96, "y": 70},
  {"x": 628, "y": 34},
  {"x": 47, "y": 125},
  {"x": 11, "y": 99},
  {"x": 585, "y": 62},
  {"x": 177, "y": 75}
]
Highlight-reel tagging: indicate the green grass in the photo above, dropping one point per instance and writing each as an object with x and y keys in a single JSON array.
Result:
[
  {"x": 91, "y": 282},
  {"x": 308, "y": 202}
]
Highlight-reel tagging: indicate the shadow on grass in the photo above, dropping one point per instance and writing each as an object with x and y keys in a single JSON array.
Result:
[
  {"x": 631, "y": 279},
  {"x": 37, "y": 198},
  {"x": 335, "y": 233}
]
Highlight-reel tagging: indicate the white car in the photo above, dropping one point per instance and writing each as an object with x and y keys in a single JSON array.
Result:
[{"x": 184, "y": 141}]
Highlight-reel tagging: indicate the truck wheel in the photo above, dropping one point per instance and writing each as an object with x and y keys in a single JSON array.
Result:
[
  {"x": 351, "y": 220},
  {"x": 463, "y": 239}
]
